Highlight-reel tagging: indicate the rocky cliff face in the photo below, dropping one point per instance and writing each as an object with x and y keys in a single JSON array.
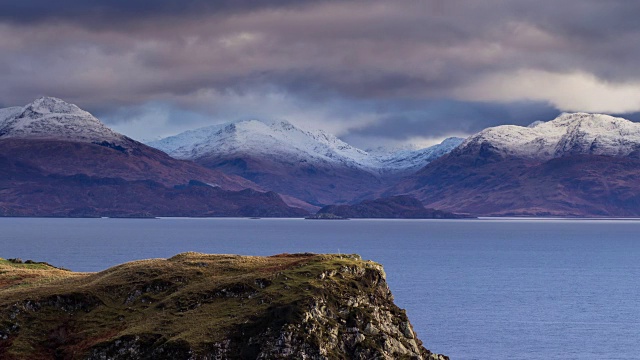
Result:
[{"x": 196, "y": 306}]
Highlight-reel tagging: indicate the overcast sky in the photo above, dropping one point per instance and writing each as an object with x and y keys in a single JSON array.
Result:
[{"x": 374, "y": 72}]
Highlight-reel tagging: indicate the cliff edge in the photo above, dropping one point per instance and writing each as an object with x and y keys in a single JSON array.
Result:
[{"x": 197, "y": 306}]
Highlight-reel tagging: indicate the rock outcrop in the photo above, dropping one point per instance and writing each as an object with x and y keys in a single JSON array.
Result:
[{"x": 196, "y": 306}]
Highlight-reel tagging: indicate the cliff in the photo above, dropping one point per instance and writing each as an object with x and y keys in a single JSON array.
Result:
[{"x": 196, "y": 306}]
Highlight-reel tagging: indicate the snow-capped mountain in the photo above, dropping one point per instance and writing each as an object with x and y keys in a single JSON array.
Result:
[
  {"x": 311, "y": 165},
  {"x": 282, "y": 140},
  {"x": 575, "y": 165},
  {"x": 578, "y": 133},
  {"x": 58, "y": 160},
  {"x": 274, "y": 139},
  {"x": 60, "y": 138},
  {"x": 52, "y": 118}
]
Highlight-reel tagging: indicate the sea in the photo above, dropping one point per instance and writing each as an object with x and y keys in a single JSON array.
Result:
[{"x": 473, "y": 289}]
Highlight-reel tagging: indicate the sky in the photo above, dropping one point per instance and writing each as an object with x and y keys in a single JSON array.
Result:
[{"x": 373, "y": 72}]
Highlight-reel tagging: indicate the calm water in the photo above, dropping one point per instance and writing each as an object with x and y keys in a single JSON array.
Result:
[{"x": 473, "y": 289}]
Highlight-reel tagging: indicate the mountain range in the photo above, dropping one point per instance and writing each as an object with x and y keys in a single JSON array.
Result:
[
  {"x": 314, "y": 166},
  {"x": 58, "y": 160}
]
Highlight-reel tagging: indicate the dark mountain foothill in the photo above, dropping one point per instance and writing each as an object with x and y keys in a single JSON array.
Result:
[{"x": 394, "y": 207}]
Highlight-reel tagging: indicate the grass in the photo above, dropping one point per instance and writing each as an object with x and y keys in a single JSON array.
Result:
[
  {"x": 15, "y": 273},
  {"x": 190, "y": 298}
]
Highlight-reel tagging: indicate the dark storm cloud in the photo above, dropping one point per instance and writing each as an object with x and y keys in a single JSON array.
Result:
[
  {"x": 444, "y": 117},
  {"x": 635, "y": 116},
  {"x": 365, "y": 64},
  {"x": 115, "y": 11},
  {"x": 600, "y": 36}
]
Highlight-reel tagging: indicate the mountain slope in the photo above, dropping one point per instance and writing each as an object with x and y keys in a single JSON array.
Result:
[
  {"x": 576, "y": 165},
  {"x": 25, "y": 191},
  {"x": 49, "y": 144},
  {"x": 311, "y": 165},
  {"x": 405, "y": 162},
  {"x": 59, "y": 138}
]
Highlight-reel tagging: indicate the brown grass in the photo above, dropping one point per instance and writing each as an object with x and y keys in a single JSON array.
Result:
[{"x": 193, "y": 297}]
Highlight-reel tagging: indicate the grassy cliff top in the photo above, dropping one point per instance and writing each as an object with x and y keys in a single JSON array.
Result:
[
  {"x": 187, "y": 271},
  {"x": 202, "y": 304},
  {"x": 15, "y": 273}
]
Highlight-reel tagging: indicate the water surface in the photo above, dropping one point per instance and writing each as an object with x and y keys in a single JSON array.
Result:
[{"x": 473, "y": 289}]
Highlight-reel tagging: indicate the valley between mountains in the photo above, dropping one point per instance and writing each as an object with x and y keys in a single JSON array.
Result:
[{"x": 59, "y": 160}]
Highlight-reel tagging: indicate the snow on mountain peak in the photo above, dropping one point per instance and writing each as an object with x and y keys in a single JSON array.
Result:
[
  {"x": 284, "y": 141},
  {"x": 53, "y": 118},
  {"x": 451, "y": 142},
  {"x": 535, "y": 123},
  {"x": 50, "y": 105},
  {"x": 408, "y": 160},
  {"x": 569, "y": 133},
  {"x": 253, "y": 137}
]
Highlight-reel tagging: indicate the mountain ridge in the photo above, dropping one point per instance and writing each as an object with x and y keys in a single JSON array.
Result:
[
  {"x": 283, "y": 138},
  {"x": 569, "y": 133},
  {"x": 314, "y": 166},
  {"x": 62, "y": 161},
  {"x": 577, "y": 165}
]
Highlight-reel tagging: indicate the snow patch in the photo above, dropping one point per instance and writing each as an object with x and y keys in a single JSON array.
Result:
[{"x": 535, "y": 123}]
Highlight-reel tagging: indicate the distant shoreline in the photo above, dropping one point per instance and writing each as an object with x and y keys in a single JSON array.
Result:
[{"x": 480, "y": 218}]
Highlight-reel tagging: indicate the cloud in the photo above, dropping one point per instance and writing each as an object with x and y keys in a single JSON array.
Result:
[
  {"x": 206, "y": 107},
  {"x": 100, "y": 12},
  {"x": 568, "y": 92},
  {"x": 363, "y": 123},
  {"x": 431, "y": 121},
  {"x": 352, "y": 67}
]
